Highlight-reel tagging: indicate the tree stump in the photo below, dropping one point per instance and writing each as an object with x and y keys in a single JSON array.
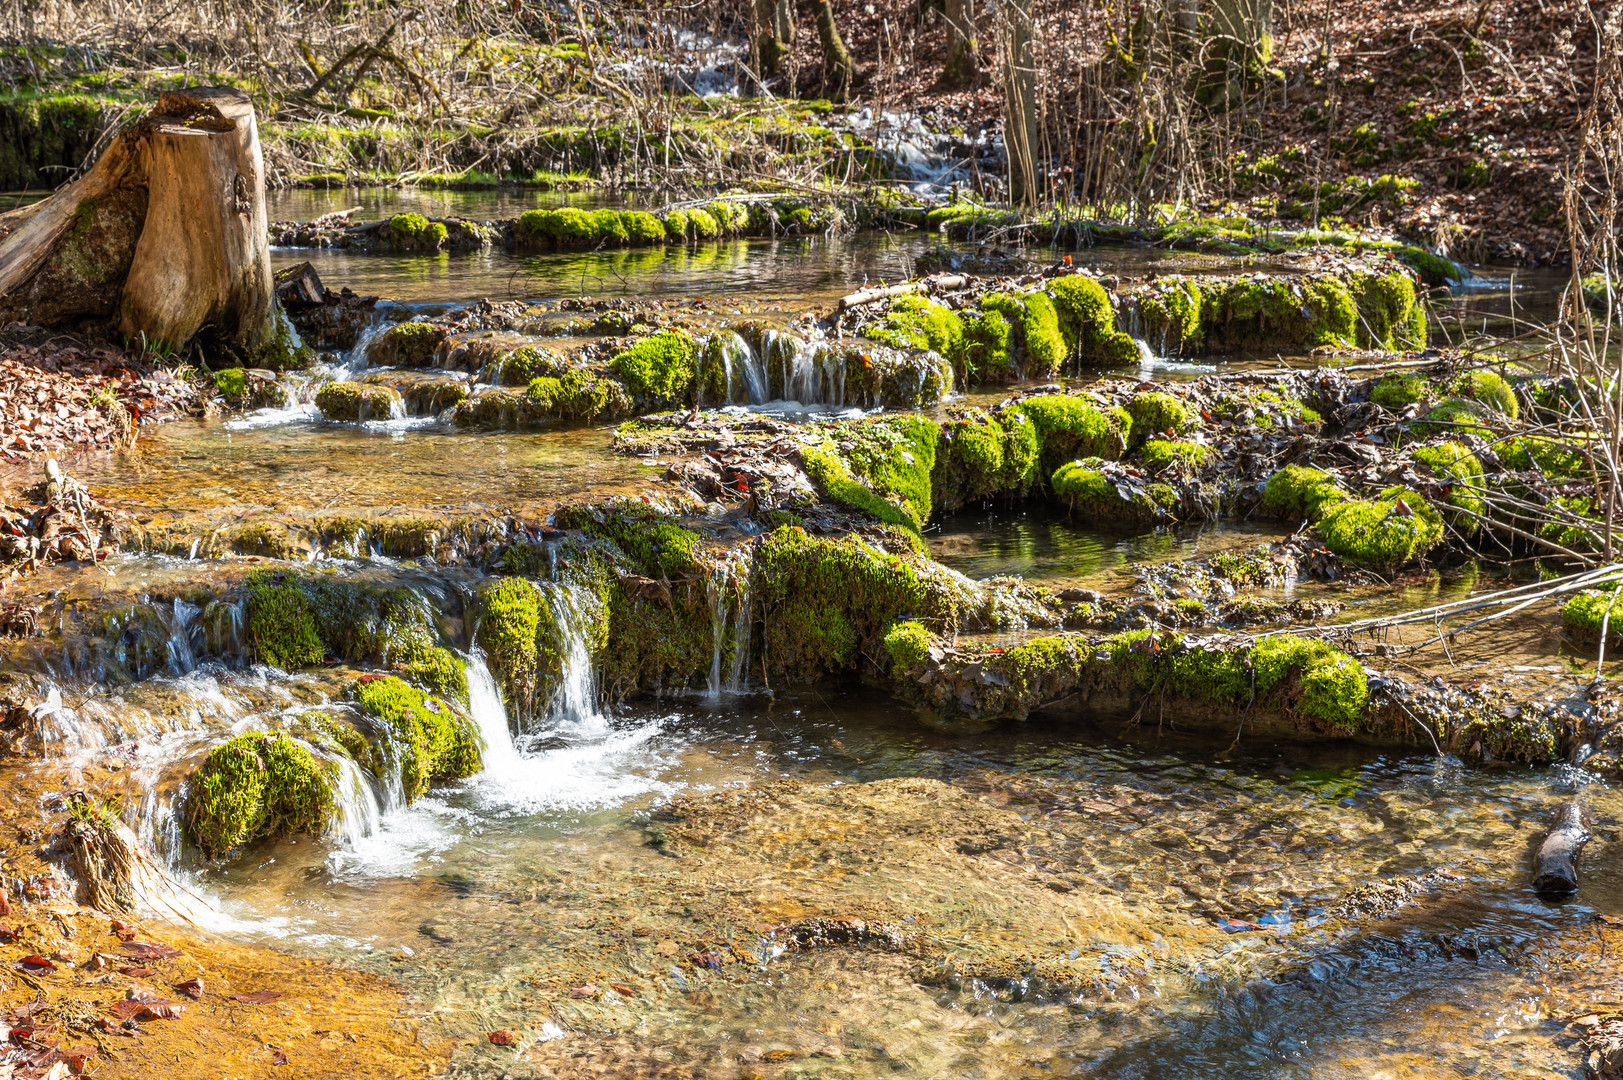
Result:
[{"x": 163, "y": 240}]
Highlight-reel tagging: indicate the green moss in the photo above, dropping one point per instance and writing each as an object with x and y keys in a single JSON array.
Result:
[
  {"x": 1583, "y": 614},
  {"x": 433, "y": 740},
  {"x": 1155, "y": 413},
  {"x": 518, "y": 367},
  {"x": 1160, "y": 455},
  {"x": 1488, "y": 388},
  {"x": 1381, "y": 533},
  {"x": 917, "y": 322},
  {"x": 1335, "y": 688},
  {"x": 570, "y": 226},
  {"x": 256, "y": 786},
  {"x": 281, "y": 622},
  {"x": 408, "y": 344},
  {"x": 703, "y": 224},
  {"x": 1552, "y": 457},
  {"x": 676, "y": 225},
  {"x": 413, "y": 232},
  {"x": 1389, "y": 313},
  {"x": 1300, "y": 493},
  {"x": 578, "y": 394},
  {"x": 827, "y": 602},
  {"x": 1070, "y": 427},
  {"x": 441, "y": 671},
  {"x": 1454, "y": 416},
  {"x": 355, "y": 402},
  {"x": 231, "y": 383},
  {"x": 1038, "y": 348},
  {"x": 908, "y": 645},
  {"x": 509, "y": 618},
  {"x": 1089, "y": 493},
  {"x": 660, "y": 370},
  {"x": 894, "y": 458},
  {"x": 1398, "y": 390},
  {"x": 982, "y": 455},
  {"x": 656, "y": 544},
  {"x": 1456, "y": 464},
  {"x": 642, "y": 227},
  {"x": 985, "y": 353},
  {"x": 1173, "y": 315}
]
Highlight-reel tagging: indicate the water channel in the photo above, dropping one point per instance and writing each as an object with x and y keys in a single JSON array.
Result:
[{"x": 1058, "y": 897}]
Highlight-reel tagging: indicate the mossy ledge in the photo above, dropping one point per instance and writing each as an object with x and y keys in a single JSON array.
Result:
[{"x": 1285, "y": 684}]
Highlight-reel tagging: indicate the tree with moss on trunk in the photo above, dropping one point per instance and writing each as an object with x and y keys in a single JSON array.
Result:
[
  {"x": 839, "y": 70},
  {"x": 963, "y": 63},
  {"x": 774, "y": 35},
  {"x": 1020, "y": 133},
  {"x": 1239, "y": 43}
]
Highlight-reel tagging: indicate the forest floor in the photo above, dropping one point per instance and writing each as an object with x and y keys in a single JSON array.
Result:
[{"x": 1450, "y": 124}]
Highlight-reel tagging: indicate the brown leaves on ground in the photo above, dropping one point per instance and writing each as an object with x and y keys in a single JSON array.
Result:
[{"x": 256, "y": 997}]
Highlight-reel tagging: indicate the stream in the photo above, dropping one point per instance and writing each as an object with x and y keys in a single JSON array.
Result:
[{"x": 1059, "y": 897}]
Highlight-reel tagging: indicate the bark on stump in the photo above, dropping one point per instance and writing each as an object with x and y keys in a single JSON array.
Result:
[{"x": 163, "y": 239}]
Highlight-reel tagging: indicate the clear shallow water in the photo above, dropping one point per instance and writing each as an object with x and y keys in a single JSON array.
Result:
[{"x": 494, "y": 898}]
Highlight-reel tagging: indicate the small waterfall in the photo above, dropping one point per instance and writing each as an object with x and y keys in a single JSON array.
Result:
[
  {"x": 490, "y": 715},
  {"x": 738, "y": 673},
  {"x": 182, "y": 624},
  {"x": 574, "y": 702},
  {"x": 803, "y": 365},
  {"x": 744, "y": 369},
  {"x": 716, "y": 587},
  {"x": 728, "y": 589}
]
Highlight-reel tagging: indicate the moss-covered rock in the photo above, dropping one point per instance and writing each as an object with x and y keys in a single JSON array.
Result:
[
  {"x": 572, "y": 227},
  {"x": 509, "y": 619},
  {"x": 886, "y": 473},
  {"x": 1033, "y": 348},
  {"x": 1487, "y": 388},
  {"x": 659, "y": 371},
  {"x": 1155, "y": 412},
  {"x": 1300, "y": 493},
  {"x": 826, "y": 602},
  {"x": 917, "y": 322},
  {"x": 1455, "y": 416},
  {"x": 1087, "y": 322},
  {"x": 430, "y": 738},
  {"x": 422, "y": 393},
  {"x": 354, "y": 402},
  {"x": 1583, "y": 614},
  {"x": 984, "y": 455},
  {"x": 1398, "y": 390},
  {"x": 1070, "y": 427},
  {"x": 1382, "y": 533},
  {"x": 1456, "y": 464},
  {"x": 299, "y": 620},
  {"x": 256, "y": 786},
  {"x": 407, "y": 344},
  {"x": 518, "y": 367},
  {"x": 907, "y": 644},
  {"x": 1092, "y": 495},
  {"x": 1163, "y": 455},
  {"x": 579, "y": 394},
  {"x": 415, "y": 234}
]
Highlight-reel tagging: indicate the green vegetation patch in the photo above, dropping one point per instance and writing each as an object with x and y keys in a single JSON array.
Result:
[
  {"x": 256, "y": 786},
  {"x": 354, "y": 402},
  {"x": 660, "y": 370},
  {"x": 433, "y": 740},
  {"x": 1381, "y": 533},
  {"x": 1090, "y": 493},
  {"x": 1299, "y": 492}
]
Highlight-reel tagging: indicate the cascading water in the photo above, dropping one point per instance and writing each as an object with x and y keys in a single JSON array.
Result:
[{"x": 728, "y": 589}]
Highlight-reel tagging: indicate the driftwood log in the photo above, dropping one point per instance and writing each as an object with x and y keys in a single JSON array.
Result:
[
  {"x": 162, "y": 240},
  {"x": 1555, "y": 870}
]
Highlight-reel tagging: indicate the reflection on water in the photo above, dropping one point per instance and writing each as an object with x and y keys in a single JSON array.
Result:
[
  {"x": 1036, "y": 540},
  {"x": 806, "y": 270},
  {"x": 372, "y": 203},
  {"x": 192, "y": 465}
]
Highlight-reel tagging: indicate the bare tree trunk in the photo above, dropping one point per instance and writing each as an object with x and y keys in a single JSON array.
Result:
[
  {"x": 838, "y": 68},
  {"x": 1020, "y": 103},
  {"x": 163, "y": 239},
  {"x": 775, "y": 35},
  {"x": 963, "y": 63},
  {"x": 1240, "y": 40}
]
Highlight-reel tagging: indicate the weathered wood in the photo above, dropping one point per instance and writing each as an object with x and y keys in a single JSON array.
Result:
[
  {"x": 939, "y": 284},
  {"x": 1555, "y": 871},
  {"x": 162, "y": 238},
  {"x": 204, "y": 257}
]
